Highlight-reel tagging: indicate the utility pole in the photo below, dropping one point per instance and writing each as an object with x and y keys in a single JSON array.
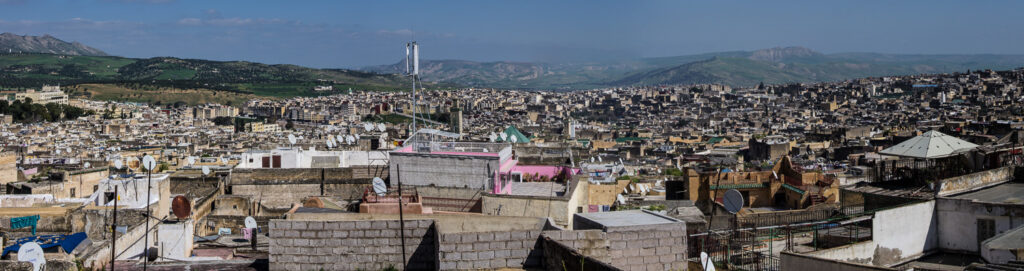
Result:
[
  {"x": 401, "y": 218},
  {"x": 113, "y": 233}
]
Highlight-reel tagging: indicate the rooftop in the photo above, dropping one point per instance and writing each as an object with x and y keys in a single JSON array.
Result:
[
  {"x": 627, "y": 218},
  {"x": 1008, "y": 193}
]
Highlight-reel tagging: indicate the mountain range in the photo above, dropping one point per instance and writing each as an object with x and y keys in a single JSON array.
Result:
[
  {"x": 30, "y": 61},
  {"x": 737, "y": 68},
  {"x": 12, "y": 43}
]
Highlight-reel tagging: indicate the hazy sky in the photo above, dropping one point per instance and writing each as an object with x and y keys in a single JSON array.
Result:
[{"x": 355, "y": 34}]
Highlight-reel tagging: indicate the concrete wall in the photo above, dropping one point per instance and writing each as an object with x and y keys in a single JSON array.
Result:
[
  {"x": 508, "y": 205},
  {"x": 793, "y": 261},
  {"x": 351, "y": 245},
  {"x": 444, "y": 170},
  {"x": 863, "y": 253},
  {"x": 904, "y": 232},
  {"x": 83, "y": 181},
  {"x": 958, "y": 221},
  {"x": 974, "y": 181}
]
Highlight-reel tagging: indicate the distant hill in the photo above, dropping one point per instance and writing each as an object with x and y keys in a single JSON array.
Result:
[
  {"x": 34, "y": 70},
  {"x": 737, "y": 68},
  {"x": 12, "y": 43}
]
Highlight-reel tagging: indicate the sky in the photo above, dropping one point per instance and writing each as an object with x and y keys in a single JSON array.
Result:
[{"x": 351, "y": 34}]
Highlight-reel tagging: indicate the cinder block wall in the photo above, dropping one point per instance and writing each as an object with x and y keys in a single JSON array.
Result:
[
  {"x": 490, "y": 250},
  {"x": 350, "y": 245},
  {"x": 641, "y": 248}
]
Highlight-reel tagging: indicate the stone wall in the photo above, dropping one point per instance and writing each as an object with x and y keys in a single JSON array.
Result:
[
  {"x": 490, "y": 250},
  {"x": 351, "y": 245}
]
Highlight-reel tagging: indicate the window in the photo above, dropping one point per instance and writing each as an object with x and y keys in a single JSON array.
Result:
[
  {"x": 579, "y": 209},
  {"x": 986, "y": 229},
  {"x": 72, "y": 192}
]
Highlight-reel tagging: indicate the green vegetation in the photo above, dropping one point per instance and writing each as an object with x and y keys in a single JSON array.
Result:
[
  {"x": 28, "y": 112},
  {"x": 672, "y": 172},
  {"x": 102, "y": 75}
]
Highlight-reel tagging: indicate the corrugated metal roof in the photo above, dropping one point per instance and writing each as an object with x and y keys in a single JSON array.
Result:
[{"x": 932, "y": 144}]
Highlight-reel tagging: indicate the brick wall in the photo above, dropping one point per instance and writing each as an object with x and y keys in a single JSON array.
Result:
[
  {"x": 490, "y": 250},
  {"x": 351, "y": 245}
]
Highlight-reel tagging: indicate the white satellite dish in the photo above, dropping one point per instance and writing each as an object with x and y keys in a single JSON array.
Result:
[
  {"x": 328, "y": 142},
  {"x": 513, "y": 139},
  {"x": 493, "y": 137},
  {"x": 620, "y": 198},
  {"x": 339, "y": 138},
  {"x": 86, "y": 165},
  {"x": 291, "y": 139},
  {"x": 381, "y": 127},
  {"x": 33, "y": 253},
  {"x": 599, "y": 159},
  {"x": 191, "y": 160},
  {"x": 357, "y": 137},
  {"x": 368, "y": 127},
  {"x": 68, "y": 150},
  {"x": 58, "y": 151},
  {"x": 250, "y": 223},
  {"x": 591, "y": 159},
  {"x": 733, "y": 201},
  {"x": 118, "y": 164},
  {"x": 350, "y": 139},
  {"x": 206, "y": 170},
  {"x": 379, "y": 187},
  {"x": 223, "y": 160},
  {"x": 148, "y": 162},
  {"x": 504, "y": 136},
  {"x": 706, "y": 262}
]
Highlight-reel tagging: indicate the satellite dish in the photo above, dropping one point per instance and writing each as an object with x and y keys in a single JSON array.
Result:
[
  {"x": 513, "y": 139},
  {"x": 339, "y": 138},
  {"x": 591, "y": 159},
  {"x": 118, "y": 164},
  {"x": 206, "y": 170},
  {"x": 148, "y": 162},
  {"x": 381, "y": 127},
  {"x": 181, "y": 207},
  {"x": 86, "y": 165},
  {"x": 368, "y": 127},
  {"x": 733, "y": 201},
  {"x": 133, "y": 163},
  {"x": 350, "y": 139},
  {"x": 291, "y": 139},
  {"x": 223, "y": 160},
  {"x": 599, "y": 159},
  {"x": 33, "y": 253},
  {"x": 68, "y": 150},
  {"x": 250, "y": 223},
  {"x": 328, "y": 142},
  {"x": 357, "y": 137},
  {"x": 191, "y": 160},
  {"x": 706, "y": 262},
  {"x": 493, "y": 137},
  {"x": 504, "y": 136},
  {"x": 58, "y": 151},
  {"x": 379, "y": 187},
  {"x": 620, "y": 198}
]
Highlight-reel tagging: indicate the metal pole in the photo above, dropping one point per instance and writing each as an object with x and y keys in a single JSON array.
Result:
[
  {"x": 149, "y": 195},
  {"x": 113, "y": 233},
  {"x": 401, "y": 218}
]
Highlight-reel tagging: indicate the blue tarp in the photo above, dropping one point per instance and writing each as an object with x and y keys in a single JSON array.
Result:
[{"x": 67, "y": 242}]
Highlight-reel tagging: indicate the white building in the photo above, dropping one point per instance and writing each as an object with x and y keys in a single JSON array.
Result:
[{"x": 50, "y": 94}]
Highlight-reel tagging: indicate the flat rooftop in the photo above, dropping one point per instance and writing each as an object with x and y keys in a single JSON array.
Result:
[
  {"x": 627, "y": 218},
  {"x": 1008, "y": 193}
]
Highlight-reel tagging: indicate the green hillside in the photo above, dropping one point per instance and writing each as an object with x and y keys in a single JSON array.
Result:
[{"x": 29, "y": 70}]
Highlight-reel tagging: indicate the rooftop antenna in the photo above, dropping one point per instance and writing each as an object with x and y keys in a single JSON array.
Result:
[{"x": 412, "y": 68}]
